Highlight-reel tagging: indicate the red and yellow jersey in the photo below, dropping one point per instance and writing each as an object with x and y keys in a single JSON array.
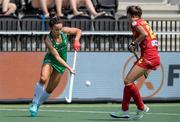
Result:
[{"x": 149, "y": 46}]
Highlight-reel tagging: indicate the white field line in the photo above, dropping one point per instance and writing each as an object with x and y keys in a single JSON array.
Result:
[
  {"x": 106, "y": 106},
  {"x": 87, "y": 106},
  {"x": 90, "y": 112}
]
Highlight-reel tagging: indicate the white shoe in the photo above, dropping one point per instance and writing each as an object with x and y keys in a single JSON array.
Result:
[
  {"x": 120, "y": 114},
  {"x": 146, "y": 109},
  {"x": 140, "y": 113}
]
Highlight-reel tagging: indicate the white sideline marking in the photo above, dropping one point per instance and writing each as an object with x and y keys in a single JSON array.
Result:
[
  {"x": 92, "y": 112},
  {"x": 99, "y": 106},
  {"x": 85, "y": 106}
]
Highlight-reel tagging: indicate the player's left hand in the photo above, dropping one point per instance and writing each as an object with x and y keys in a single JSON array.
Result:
[
  {"x": 132, "y": 46},
  {"x": 76, "y": 45},
  {"x": 72, "y": 71}
]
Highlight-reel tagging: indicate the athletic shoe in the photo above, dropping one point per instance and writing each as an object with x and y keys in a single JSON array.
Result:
[
  {"x": 140, "y": 113},
  {"x": 120, "y": 114},
  {"x": 33, "y": 109}
]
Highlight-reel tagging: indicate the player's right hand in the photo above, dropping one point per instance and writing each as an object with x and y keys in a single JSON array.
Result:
[
  {"x": 76, "y": 45},
  {"x": 132, "y": 46}
]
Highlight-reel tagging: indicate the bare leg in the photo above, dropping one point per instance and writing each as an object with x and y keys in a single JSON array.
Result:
[
  {"x": 5, "y": 4},
  {"x": 43, "y": 4},
  {"x": 40, "y": 93},
  {"x": 135, "y": 72},
  {"x": 45, "y": 74},
  {"x": 89, "y": 5},
  {"x": 130, "y": 90},
  {"x": 74, "y": 6},
  {"x": 59, "y": 7},
  {"x": 11, "y": 9},
  {"x": 44, "y": 7},
  {"x": 53, "y": 82}
]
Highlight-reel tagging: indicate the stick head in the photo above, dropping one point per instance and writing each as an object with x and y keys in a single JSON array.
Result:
[{"x": 68, "y": 100}]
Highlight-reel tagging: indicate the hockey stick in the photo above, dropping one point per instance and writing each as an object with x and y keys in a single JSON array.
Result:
[
  {"x": 135, "y": 54},
  {"x": 69, "y": 98}
]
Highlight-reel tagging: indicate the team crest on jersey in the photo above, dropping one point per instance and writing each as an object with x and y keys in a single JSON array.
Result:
[
  {"x": 154, "y": 43},
  {"x": 134, "y": 23}
]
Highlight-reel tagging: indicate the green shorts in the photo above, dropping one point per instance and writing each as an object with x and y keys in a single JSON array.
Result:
[{"x": 56, "y": 65}]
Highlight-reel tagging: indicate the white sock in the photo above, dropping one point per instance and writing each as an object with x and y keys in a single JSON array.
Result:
[
  {"x": 37, "y": 93},
  {"x": 126, "y": 112},
  {"x": 43, "y": 97}
]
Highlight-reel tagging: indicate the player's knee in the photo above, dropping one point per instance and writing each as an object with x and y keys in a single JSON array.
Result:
[
  {"x": 127, "y": 81},
  {"x": 43, "y": 79}
]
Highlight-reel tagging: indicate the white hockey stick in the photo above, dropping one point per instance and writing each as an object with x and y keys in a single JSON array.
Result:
[{"x": 69, "y": 98}]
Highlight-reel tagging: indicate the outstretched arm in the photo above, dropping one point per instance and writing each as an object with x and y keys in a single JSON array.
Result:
[{"x": 54, "y": 52}]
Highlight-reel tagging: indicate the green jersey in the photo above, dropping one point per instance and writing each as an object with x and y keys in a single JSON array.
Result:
[{"x": 61, "y": 49}]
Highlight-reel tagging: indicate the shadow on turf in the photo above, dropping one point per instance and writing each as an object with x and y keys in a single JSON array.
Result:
[{"x": 119, "y": 119}]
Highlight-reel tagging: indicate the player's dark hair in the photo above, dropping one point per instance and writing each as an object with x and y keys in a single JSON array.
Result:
[
  {"x": 134, "y": 11},
  {"x": 54, "y": 20}
]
